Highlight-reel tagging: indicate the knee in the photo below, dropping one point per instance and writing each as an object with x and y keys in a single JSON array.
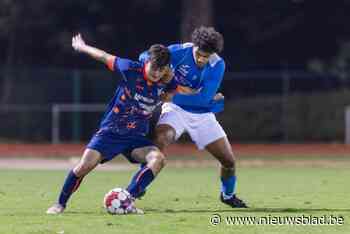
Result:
[
  {"x": 82, "y": 169},
  {"x": 228, "y": 162},
  {"x": 164, "y": 137},
  {"x": 156, "y": 161},
  {"x": 160, "y": 160}
]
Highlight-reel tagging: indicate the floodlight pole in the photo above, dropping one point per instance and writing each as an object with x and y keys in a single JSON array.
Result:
[{"x": 55, "y": 112}]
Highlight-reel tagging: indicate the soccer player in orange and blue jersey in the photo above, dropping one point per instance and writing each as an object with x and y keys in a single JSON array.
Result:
[{"x": 125, "y": 124}]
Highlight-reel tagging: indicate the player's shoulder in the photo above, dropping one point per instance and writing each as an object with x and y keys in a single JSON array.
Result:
[
  {"x": 180, "y": 52},
  {"x": 216, "y": 61},
  {"x": 180, "y": 47}
]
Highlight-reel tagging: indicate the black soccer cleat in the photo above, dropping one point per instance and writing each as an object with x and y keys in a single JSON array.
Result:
[
  {"x": 140, "y": 196},
  {"x": 234, "y": 202}
]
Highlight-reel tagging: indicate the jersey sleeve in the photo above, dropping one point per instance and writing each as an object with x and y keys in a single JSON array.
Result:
[
  {"x": 119, "y": 64},
  {"x": 177, "y": 52},
  {"x": 212, "y": 78},
  {"x": 122, "y": 65},
  {"x": 175, "y": 47},
  {"x": 217, "y": 106}
]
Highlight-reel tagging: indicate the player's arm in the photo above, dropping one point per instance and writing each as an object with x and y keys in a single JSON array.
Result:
[
  {"x": 205, "y": 97},
  {"x": 79, "y": 45}
]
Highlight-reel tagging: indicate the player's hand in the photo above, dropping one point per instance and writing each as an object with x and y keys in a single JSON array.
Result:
[
  {"x": 218, "y": 97},
  {"x": 78, "y": 43},
  {"x": 167, "y": 96}
]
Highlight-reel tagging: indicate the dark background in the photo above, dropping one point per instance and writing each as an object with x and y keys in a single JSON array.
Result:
[
  {"x": 287, "y": 62},
  {"x": 257, "y": 33}
]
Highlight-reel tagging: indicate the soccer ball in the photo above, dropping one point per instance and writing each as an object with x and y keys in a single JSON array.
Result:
[{"x": 118, "y": 201}]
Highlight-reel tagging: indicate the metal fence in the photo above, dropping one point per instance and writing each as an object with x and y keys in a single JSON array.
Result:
[{"x": 286, "y": 105}]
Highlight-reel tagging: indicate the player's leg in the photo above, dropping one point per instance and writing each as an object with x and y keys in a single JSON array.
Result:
[
  {"x": 222, "y": 151},
  {"x": 164, "y": 136},
  {"x": 152, "y": 161},
  {"x": 208, "y": 134},
  {"x": 170, "y": 126},
  {"x": 89, "y": 161}
]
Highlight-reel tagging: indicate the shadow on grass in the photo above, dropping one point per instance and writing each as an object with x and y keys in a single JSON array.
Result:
[
  {"x": 249, "y": 210},
  {"x": 214, "y": 211}
]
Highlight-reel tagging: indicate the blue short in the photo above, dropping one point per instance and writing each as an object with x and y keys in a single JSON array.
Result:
[{"x": 109, "y": 145}]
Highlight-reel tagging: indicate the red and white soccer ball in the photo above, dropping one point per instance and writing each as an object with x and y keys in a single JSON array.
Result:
[{"x": 118, "y": 201}]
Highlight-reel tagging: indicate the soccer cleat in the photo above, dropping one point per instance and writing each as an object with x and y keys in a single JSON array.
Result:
[
  {"x": 234, "y": 202},
  {"x": 133, "y": 210},
  {"x": 55, "y": 209},
  {"x": 136, "y": 211},
  {"x": 141, "y": 195}
]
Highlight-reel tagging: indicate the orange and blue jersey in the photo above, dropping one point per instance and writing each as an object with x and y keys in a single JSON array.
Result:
[
  {"x": 135, "y": 99},
  {"x": 125, "y": 123}
]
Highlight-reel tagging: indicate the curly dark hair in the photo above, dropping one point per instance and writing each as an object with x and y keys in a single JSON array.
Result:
[
  {"x": 159, "y": 55},
  {"x": 208, "y": 39}
]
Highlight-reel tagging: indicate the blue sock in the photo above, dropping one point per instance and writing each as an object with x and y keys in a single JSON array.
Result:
[
  {"x": 71, "y": 184},
  {"x": 140, "y": 181},
  {"x": 228, "y": 186}
]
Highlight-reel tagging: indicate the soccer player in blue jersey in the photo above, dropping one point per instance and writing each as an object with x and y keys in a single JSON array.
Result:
[
  {"x": 199, "y": 70},
  {"x": 125, "y": 124}
]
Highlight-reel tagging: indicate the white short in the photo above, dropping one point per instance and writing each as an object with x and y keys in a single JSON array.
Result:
[{"x": 202, "y": 128}]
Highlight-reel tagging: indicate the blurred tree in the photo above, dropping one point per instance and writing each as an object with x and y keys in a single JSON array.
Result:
[
  {"x": 9, "y": 23},
  {"x": 195, "y": 13},
  {"x": 338, "y": 65},
  {"x": 20, "y": 21},
  {"x": 257, "y": 31}
]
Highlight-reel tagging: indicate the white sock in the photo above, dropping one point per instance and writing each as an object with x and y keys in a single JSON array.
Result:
[{"x": 226, "y": 197}]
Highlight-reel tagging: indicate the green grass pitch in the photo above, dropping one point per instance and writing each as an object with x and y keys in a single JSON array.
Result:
[{"x": 179, "y": 201}]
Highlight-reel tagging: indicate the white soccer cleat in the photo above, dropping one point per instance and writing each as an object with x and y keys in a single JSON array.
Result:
[
  {"x": 135, "y": 210},
  {"x": 55, "y": 209}
]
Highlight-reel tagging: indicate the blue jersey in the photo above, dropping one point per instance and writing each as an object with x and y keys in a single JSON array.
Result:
[
  {"x": 131, "y": 108},
  {"x": 206, "y": 80}
]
